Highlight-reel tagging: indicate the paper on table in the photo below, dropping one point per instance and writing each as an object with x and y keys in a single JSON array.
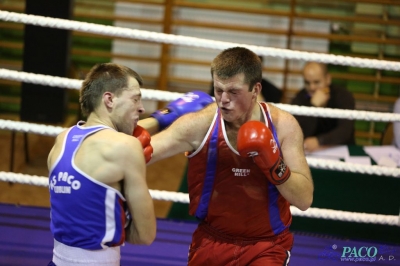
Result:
[
  {"x": 334, "y": 153},
  {"x": 378, "y": 152},
  {"x": 359, "y": 160}
]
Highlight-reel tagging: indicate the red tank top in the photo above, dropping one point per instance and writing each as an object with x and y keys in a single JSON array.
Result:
[{"x": 230, "y": 192}]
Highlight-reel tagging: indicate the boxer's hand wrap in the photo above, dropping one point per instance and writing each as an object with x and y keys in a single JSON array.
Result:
[
  {"x": 256, "y": 140},
  {"x": 190, "y": 102},
  {"x": 144, "y": 137}
]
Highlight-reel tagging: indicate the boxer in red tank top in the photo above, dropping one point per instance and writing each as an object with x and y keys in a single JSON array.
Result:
[{"x": 246, "y": 167}]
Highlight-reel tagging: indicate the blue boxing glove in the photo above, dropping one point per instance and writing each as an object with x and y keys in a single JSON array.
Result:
[{"x": 190, "y": 102}]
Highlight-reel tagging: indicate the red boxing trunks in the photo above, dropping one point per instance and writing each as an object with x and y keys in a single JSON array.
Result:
[{"x": 210, "y": 247}]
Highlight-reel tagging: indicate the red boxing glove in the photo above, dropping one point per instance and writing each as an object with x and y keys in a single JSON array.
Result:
[
  {"x": 144, "y": 137},
  {"x": 255, "y": 140}
]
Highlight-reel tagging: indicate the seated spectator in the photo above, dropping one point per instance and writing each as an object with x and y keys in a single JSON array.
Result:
[
  {"x": 269, "y": 92},
  {"x": 321, "y": 132}
]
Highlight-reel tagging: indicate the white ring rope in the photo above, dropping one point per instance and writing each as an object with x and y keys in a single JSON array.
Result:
[
  {"x": 313, "y": 162},
  {"x": 339, "y": 113},
  {"x": 60, "y": 82},
  {"x": 196, "y": 42},
  {"x": 353, "y": 167},
  {"x": 149, "y": 94},
  {"x": 40, "y": 79},
  {"x": 346, "y": 216},
  {"x": 184, "y": 198},
  {"x": 27, "y": 127}
]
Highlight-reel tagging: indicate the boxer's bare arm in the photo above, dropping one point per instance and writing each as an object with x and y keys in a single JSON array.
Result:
[
  {"x": 142, "y": 229},
  {"x": 150, "y": 124},
  {"x": 185, "y": 134},
  {"x": 298, "y": 189},
  {"x": 55, "y": 150}
]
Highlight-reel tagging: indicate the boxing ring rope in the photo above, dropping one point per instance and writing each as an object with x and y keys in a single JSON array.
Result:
[
  {"x": 168, "y": 96},
  {"x": 46, "y": 130},
  {"x": 180, "y": 197},
  {"x": 192, "y": 41},
  {"x": 149, "y": 94}
]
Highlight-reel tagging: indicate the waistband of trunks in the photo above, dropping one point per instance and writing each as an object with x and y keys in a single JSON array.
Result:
[{"x": 237, "y": 239}]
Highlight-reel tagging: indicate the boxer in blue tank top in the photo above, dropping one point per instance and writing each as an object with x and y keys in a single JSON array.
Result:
[
  {"x": 97, "y": 169},
  {"x": 98, "y": 174}
]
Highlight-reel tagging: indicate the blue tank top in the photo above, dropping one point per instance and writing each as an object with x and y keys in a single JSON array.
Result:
[{"x": 85, "y": 213}]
